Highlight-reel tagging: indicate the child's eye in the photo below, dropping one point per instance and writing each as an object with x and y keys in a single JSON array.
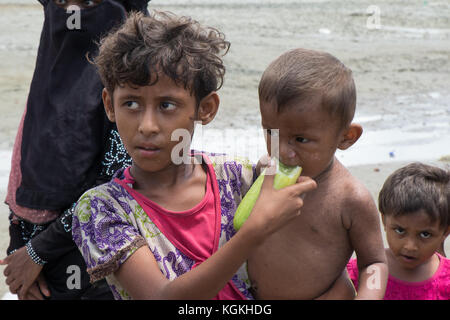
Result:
[
  {"x": 61, "y": 2},
  {"x": 425, "y": 235},
  {"x": 167, "y": 106},
  {"x": 399, "y": 230},
  {"x": 131, "y": 105},
  {"x": 301, "y": 140}
]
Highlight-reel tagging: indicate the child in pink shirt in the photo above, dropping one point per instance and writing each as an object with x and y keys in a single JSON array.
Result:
[{"x": 414, "y": 204}]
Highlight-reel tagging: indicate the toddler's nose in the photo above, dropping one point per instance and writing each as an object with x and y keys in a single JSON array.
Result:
[{"x": 287, "y": 155}]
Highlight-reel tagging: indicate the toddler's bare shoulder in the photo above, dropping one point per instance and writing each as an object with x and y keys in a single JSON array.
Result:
[{"x": 355, "y": 200}]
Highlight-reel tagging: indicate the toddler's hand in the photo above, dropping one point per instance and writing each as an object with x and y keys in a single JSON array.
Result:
[{"x": 274, "y": 208}]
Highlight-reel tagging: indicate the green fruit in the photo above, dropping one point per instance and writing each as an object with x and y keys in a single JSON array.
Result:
[{"x": 285, "y": 176}]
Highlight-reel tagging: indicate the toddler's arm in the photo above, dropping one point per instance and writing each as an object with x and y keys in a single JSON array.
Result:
[
  {"x": 342, "y": 289},
  {"x": 140, "y": 274},
  {"x": 365, "y": 235}
]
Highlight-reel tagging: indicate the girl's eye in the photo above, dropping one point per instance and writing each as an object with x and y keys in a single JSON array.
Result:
[
  {"x": 425, "y": 235},
  {"x": 301, "y": 140},
  {"x": 131, "y": 105},
  {"x": 167, "y": 106},
  {"x": 399, "y": 231},
  {"x": 60, "y": 2}
]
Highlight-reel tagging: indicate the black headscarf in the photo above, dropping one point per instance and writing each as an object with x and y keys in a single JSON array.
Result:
[{"x": 65, "y": 126}]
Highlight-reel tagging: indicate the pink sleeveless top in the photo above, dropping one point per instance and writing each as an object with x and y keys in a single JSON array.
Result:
[
  {"x": 195, "y": 232},
  {"x": 435, "y": 288}
]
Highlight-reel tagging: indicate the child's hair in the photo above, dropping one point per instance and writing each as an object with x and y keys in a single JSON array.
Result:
[
  {"x": 300, "y": 75},
  {"x": 179, "y": 47},
  {"x": 414, "y": 187}
]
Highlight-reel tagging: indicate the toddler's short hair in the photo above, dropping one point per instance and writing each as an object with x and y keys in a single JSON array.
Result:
[
  {"x": 300, "y": 75},
  {"x": 414, "y": 187},
  {"x": 181, "y": 48}
]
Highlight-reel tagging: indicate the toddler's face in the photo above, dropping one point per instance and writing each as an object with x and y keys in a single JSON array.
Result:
[
  {"x": 308, "y": 136},
  {"x": 83, "y": 4},
  {"x": 413, "y": 238},
  {"x": 146, "y": 116}
]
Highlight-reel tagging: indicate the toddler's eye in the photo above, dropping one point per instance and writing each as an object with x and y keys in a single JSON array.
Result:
[
  {"x": 399, "y": 231},
  {"x": 301, "y": 140},
  {"x": 167, "y": 105},
  {"x": 60, "y": 2},
  {"x": 425, "y": 235},
  {"x": 131, "y": 105}
]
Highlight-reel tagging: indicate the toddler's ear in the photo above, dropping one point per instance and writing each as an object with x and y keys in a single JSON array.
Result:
[
  {"x": 208, "y": 108},
  {"x": 350, "y": 136},
  {"x": 108, "y": 104}
]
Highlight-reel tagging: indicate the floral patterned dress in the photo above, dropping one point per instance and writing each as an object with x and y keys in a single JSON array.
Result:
[{"x": 109, "y": 225}]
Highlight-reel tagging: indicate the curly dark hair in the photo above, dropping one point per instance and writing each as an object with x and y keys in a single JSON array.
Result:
[
  {"x": 415, "y": 187},
  {"x": 178, "y": 46}
]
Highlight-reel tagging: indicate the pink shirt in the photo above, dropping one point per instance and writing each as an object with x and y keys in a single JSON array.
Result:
[
  {"x": 196, "y": 231},
  {"x": 435, "y": 288}
]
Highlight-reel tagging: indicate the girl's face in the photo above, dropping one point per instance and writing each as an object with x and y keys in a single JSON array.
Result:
[
  {"x": 413, "y": 238},
  {"x": 83, "y": 4},
  {"x": 148, "y": 116}
]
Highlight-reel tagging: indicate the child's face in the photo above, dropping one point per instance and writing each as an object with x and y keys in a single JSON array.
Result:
[
  {"x": 83, "y": 4},
  {"x": 413, "y": 238},
  {"x": 146, "y": 116},
  {"x": 308, "y": 136}
]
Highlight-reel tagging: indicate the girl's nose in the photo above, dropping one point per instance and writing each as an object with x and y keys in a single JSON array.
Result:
[
  {"x": 410, "y": 245},
  {"x": 148, "y": 124}
]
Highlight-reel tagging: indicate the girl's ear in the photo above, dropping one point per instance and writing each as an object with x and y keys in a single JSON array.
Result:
[
  {"x": 208, "y": 108},
  {"x": 350, "y": 136},
  {"x": 108, "y": 104}
]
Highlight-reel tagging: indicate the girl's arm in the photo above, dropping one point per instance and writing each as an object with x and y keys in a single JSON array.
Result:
[{"x": 142, "y": 278}]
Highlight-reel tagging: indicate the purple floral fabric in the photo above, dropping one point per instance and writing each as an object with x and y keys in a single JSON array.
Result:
[{"x": 109, "y": 226}]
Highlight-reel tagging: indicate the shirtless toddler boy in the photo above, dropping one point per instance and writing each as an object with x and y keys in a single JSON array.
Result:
[{"x": 310, "y": 97}]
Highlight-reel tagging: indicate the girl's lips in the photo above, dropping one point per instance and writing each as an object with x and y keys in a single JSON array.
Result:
[
  {"x": 408, "y": 259},
  {"x": 148, "y": 152}
]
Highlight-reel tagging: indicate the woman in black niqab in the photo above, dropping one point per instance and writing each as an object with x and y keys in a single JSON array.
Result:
[{"x": 65, "y": 143}]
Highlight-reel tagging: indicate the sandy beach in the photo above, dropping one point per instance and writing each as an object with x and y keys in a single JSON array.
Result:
[{"x": 401, "y": 67}]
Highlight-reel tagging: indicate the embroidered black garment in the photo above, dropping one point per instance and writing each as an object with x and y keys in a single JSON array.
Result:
[{"x": 65, "y": 128}]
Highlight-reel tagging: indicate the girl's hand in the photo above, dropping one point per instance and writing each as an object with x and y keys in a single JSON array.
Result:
[{"x": 275, "y": 208}]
